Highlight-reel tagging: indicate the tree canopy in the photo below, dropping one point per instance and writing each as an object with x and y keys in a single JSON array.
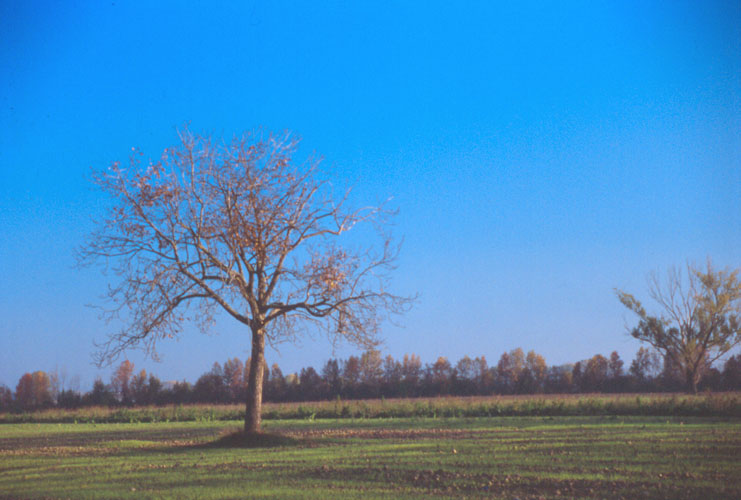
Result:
[
  {"x": 243, "y": 228},
  {"x": 700, "y": 318}
]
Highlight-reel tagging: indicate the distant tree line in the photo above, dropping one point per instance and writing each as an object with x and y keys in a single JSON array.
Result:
[{"x": 372, "y": 376}]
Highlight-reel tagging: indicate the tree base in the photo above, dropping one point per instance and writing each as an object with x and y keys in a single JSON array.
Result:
[{"x": 241, "y": 439}]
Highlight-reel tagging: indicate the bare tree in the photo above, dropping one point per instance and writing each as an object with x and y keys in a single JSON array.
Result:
[
  {"x": 243, "y": 228},
  {"x": 700, "y": 317},
  {"x": 646, "y": 364}
]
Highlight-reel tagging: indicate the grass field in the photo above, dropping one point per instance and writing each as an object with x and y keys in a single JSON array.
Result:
[
  {"x": 491, "y": 457},
  {"x": 562, "y": 405}
]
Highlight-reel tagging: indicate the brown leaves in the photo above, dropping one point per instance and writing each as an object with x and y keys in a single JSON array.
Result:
[{"x": 327, "y": 273}]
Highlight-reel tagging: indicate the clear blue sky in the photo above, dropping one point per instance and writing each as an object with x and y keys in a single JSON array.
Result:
[{"x": 540, "y": 154}]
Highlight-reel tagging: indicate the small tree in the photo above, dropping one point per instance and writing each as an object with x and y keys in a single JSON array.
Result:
[
  {"x": 154, "y": 389},
  {"x": 371, "y": 372},
  {"x": 310, "y": 383},
  {"x": 411, "y": 372},
  {"x": 615, "y": 366},
  {"x": 438, "y": 374},
  {"x": 560, "y": 379},
  {"x": 101, "y": 395},
  {"x": 121, "y": 381},
  {"x": 595, "y": 372},
  {"x": 615, "y": 376},
  {"x": 139, "y": 389},
  {"x": 484, "y": 376},
  {"x": 731, "y": 373},
  {"x": 646, "y": 365},
  {"x": 509, "y": 370},
  {"x": 534, "y": 374},
  {"x": 33, "y": 390},
  {"x": 391, "y": 377},
  {"x": 6, "y": 398},
  {"x": 700, "y": 318},
  {"x": 351, "y": 376},
  {"x": 234, "y": 378},
  {"x": 238, "y": 227},
  {"x": 182, "y": 392},
  {"x": 332, "y": 377},
  {"x": 464, "y": 376},
  {"x": 277, "y": 388}
]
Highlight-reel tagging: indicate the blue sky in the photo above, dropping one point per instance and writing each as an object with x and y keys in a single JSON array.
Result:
[{"x": 540, "y": 154}]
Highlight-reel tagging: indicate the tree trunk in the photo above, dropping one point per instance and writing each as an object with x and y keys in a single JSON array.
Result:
[
  {"x": 253, "y": 415},
  {"x": 692, "y": 380},
  {"x": 692, "y": 387}
]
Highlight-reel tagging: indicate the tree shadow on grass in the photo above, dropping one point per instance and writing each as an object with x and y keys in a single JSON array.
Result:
[
  {"x": 111, "y": 433},
  {"x": 149, "y": 441},
  {"x": 239, "y": 439}
]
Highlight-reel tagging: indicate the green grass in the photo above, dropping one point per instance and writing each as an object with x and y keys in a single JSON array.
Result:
[
  {"x": 491, "y": 457},
  {"x": 704, "y": 405}
]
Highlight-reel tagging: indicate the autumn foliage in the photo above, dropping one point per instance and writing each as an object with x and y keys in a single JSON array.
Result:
[{"x": 33, "y": 390}]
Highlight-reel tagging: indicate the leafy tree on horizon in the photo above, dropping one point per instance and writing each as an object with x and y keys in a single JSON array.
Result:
[
  {"x": 534, "y": 373},
  {"x": 34, "y": 390},
  {"x": 6, "y": 397},
  {"x": 700, "y": 318},
  {"x": 509, "y": 370},
  {"x": 121, "y": 381}
]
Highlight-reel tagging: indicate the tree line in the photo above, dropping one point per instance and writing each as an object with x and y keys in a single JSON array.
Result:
[{"x": 371, "y": 375}]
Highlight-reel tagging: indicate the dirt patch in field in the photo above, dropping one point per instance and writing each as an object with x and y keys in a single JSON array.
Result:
[
  {"x": 57, "y": 451},
  {"x": 445, "y": 482}
]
